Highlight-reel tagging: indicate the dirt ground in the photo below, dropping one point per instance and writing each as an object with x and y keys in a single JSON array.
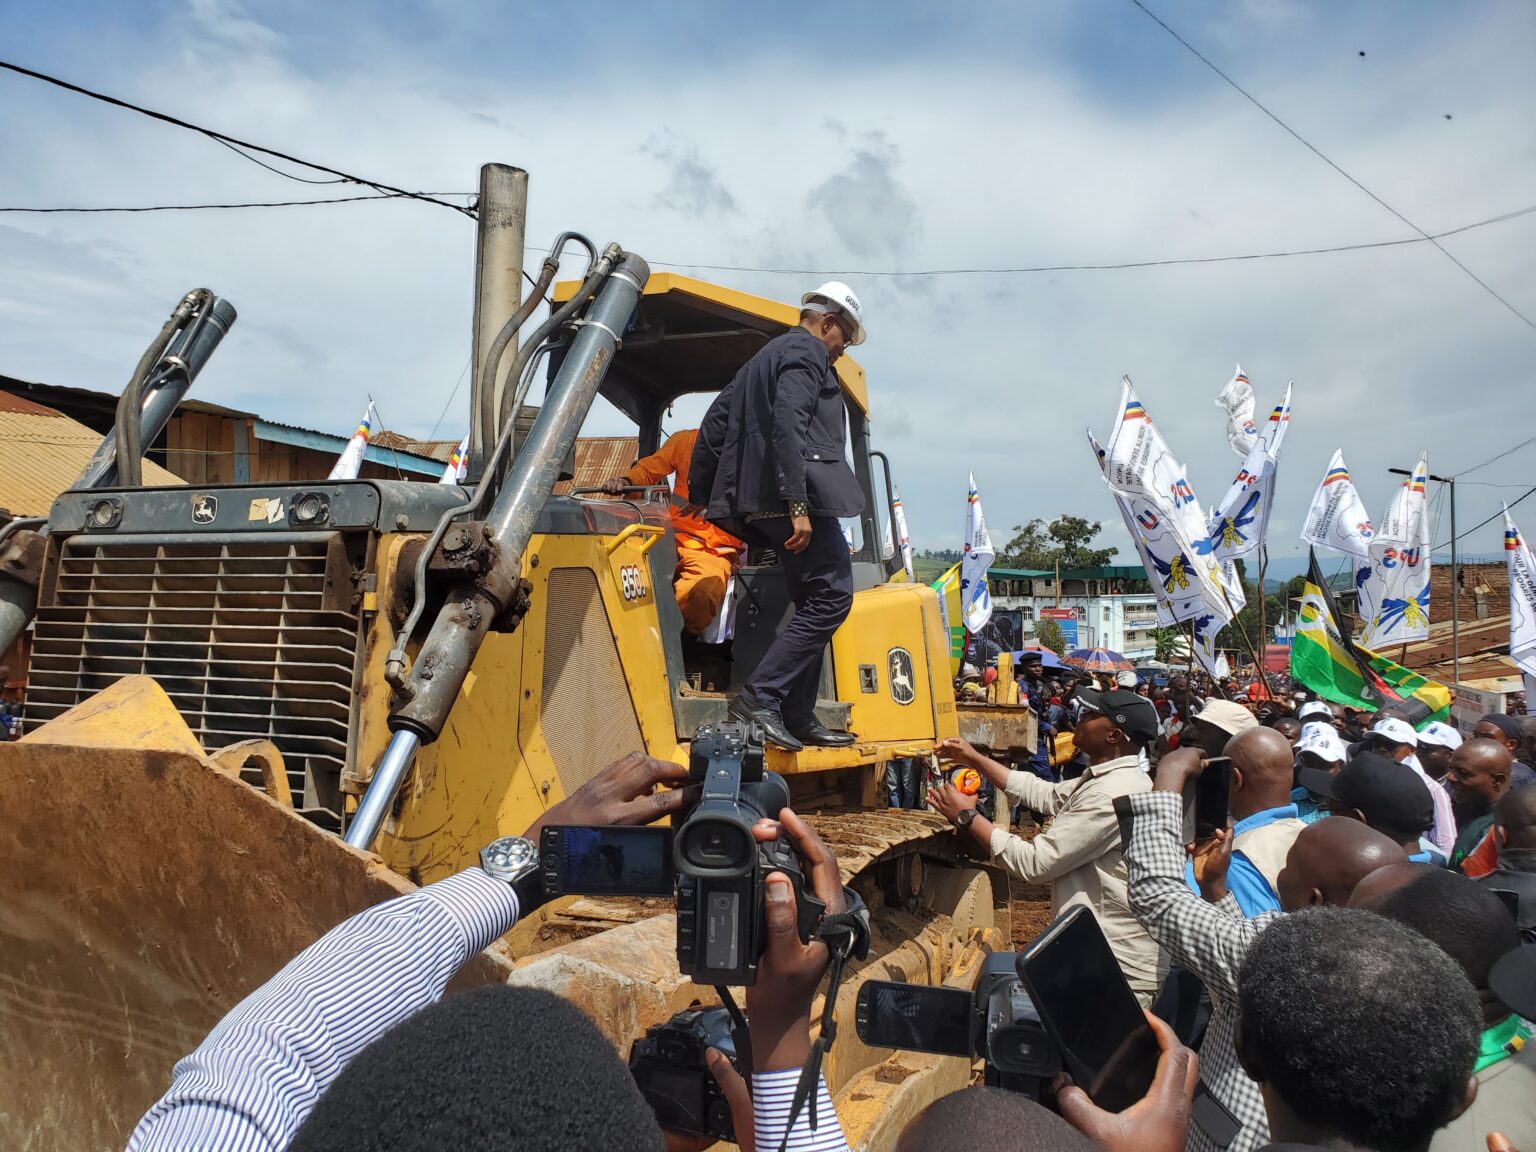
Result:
[{"x": 1030, "y": 903}]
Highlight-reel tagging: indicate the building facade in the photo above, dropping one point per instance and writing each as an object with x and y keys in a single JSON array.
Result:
[{"x": 1110, "y": 607}]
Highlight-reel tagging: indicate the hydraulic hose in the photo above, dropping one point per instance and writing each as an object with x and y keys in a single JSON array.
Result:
[
  {"x": 394, "y": 664},
  {"x": 129, "y": 429}
]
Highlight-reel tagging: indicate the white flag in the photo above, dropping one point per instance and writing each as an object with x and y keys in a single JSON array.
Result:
[
  {"x": 975, "y": 598},
  {"x": 1337, "y": 519},
  {"x": 1238, "y": 525},
  {"x": 1237, "y": 400},
  {"x": 903, "y": 537},
  {"x": 1522, "y": 599},
  {"x": 1397, "y": 589},
  {"x": 1222, "y": 669},
  {"x": 1165, "y": 518},
  {"x": 350, "y": 462},
  {"x": 458, "y": 463}
]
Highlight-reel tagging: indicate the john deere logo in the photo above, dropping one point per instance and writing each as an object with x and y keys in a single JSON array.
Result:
[
  {"x": 204, "y": 509},
  {"x": 903, "y": 690}
]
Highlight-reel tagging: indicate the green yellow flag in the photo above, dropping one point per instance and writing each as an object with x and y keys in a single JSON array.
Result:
[
  {"x": 948, "y": 588},
  {"x": 1326, "y": 660}
]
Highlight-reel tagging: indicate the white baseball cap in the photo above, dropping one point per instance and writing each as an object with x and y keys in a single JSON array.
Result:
[
  {"x": 1441, "y": 735},
  {"x": 1126, "y": 679},
  {"x": 1395, "y": 730},
  {"x": 1314, "y": 708},
  {"x": 1323, "y": 741}
]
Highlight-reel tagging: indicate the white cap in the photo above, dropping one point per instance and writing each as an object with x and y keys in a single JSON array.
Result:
[
  {"x": 841, "y": 297},
  {"x": 1126, "y": 679},
  {"x": 1442, "y": 735},
  {"x": 1323, "y": 741},
  {"x": 1395, "y": 730},
  {"x": 1314, "y": 708}
]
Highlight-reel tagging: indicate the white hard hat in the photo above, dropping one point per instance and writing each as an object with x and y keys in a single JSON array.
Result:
[{"x": 841, "y": 297}]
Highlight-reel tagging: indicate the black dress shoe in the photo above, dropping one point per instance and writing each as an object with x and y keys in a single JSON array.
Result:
[
  {"x": 768, "y": 719},
  {"x": 819, "y": 735}
]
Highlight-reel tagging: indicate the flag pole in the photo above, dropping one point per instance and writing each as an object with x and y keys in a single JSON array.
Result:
[{"x": 1258, "y": 663}]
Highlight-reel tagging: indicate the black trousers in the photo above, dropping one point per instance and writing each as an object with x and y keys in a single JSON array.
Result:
[{"x": 820, "y": 582}]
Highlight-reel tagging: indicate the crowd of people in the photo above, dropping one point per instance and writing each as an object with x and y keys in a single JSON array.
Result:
[{"x": 1328, "y": 807}]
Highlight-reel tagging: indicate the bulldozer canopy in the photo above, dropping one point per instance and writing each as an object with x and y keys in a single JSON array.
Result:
[{"x": 692, "y": 336}]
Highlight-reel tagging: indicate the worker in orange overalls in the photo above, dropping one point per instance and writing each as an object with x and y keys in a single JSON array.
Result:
[{"x": 705, "y": 554}]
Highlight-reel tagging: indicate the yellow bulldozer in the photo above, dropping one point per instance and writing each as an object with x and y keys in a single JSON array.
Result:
[{"x": 254, "y": 710}]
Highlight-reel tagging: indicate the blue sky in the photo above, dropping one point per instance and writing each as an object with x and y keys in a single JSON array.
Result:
[{"x": 844, "y": 138}]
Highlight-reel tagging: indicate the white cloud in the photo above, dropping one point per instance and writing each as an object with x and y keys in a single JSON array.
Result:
[{"x": 956, "y": 164}]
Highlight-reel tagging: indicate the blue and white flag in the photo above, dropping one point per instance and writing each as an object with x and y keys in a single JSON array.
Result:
[
  {"x": 1522, "y": 598},
  {"x": 1394, "y": 599},
  {"x": 1238, "y": 525},
  {"x": 1337, "y": 519},
  {"x": 975, "y": 597},
  {"x": 903, "y": 537},
  {"x": 350, "y": 462},
  {"x": 458, "y": 464},
  {"x": 1237, "y": 400}
]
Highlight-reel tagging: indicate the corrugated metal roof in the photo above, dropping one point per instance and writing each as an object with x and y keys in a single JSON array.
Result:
[
  {"x": 9, "y": 403},
  {"x": 439, "y": 450},
  {"x": 42, "y": 453},
  {"x": 598, "y": 458}
]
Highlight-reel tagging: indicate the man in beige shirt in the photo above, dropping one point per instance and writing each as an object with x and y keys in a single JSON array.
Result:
[{"x": 1079, "y": 854}]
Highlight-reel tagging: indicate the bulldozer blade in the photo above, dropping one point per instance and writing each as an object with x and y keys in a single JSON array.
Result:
[{"x": 146, "y": 893}]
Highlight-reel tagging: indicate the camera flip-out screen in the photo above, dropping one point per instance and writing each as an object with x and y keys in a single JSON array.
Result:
[{"x": 606, "y": 861}]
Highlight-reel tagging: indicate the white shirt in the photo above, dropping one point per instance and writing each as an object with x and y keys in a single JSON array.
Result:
[{"x": 1442, "y": 834}]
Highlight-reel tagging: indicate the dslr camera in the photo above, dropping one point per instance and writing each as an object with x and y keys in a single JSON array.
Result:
[
  {"x": 720, "y": 866},
  {"x": 668, "y": 1065},
  {"x": 996, "y": 1021}
]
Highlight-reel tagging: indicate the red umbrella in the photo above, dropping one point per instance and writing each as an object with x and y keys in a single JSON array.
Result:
[{"x": 1096, "y": 660}]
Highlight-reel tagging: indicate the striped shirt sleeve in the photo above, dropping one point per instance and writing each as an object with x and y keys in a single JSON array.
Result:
[
  {"x": 249, "y": 1086},
  {"x": 772, "y": 1095}
]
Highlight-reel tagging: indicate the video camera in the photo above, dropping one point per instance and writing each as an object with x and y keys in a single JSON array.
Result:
[
  {"x": 721, "y": 926},
  {"x": 668, "y": 1066},
  {"x": 995, "y": 1021}
]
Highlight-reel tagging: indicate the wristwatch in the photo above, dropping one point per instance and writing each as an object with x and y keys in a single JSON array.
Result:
[
  {"x": 514, "y": 860},
  {"x": 964, "y": 817}
]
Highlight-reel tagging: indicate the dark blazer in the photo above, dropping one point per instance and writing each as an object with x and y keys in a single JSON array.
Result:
[{"x": 776, "y": 433}]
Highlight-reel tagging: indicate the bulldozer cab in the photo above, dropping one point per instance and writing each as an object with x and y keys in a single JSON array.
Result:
[{"x": 690, "y": 337}]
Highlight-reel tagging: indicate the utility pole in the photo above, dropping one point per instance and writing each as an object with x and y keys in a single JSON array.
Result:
[
  {"x": 502, "y": 219},
  {"x": 1449, "y": 482}
]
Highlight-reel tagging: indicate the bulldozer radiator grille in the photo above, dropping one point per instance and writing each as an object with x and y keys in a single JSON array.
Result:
[
  {"x": 586, "y": 714},
  {"x": 237, "y": 634}
]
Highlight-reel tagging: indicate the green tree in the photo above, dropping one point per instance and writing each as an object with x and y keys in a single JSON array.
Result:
[
  {"x": 1048, "y": 633},
  {"x": 1169, "y": 641},
  {"x": 1066, "y": 540}
]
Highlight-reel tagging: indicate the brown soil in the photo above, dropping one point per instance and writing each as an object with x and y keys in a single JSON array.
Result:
[{"x": 1030, "y": 903}]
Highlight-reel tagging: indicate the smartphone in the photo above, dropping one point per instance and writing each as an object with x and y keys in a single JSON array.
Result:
[
  {"x": 582, "y": 861},
  {"x": 1089, "y": 1010},
  {"x": 1213, "y": 789},
  {"x": 914, "y": 1017}
]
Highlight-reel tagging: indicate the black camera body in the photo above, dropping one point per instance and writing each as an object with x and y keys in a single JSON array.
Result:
[
  {"x": 1009, "y": 1034},
  {"x": 996, "y": 1021},
  {"x": 721, "y": 925},
  {"x": 669, "y": 1068}
]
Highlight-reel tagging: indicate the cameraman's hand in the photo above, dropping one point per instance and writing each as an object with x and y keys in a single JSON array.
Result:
[
  {"x": 623, "y": 793},
  {"x": 1211, "y": 858},
  {"x": 1177, "y": 769},
  {"x": 1159, "y": 1121},
  {"x": 779, "y": 1004}
]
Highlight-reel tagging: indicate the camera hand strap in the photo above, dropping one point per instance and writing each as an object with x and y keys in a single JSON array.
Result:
[
  {"x": 845, "y": 934},
  {"x": 741, "y": 1034}
]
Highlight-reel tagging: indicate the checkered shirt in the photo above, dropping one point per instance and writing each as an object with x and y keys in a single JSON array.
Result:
[{"x": 1208, "y": 939}]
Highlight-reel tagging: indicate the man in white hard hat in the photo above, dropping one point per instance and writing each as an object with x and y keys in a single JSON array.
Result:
[{"x": 770, "y": 466}]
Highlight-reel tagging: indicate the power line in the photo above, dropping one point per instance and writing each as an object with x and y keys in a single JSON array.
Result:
[
  {"x": 226, "y": 140},
  {"x": 203, "y": 207},
  {"x": 1485, "y": 523},
  {"x": 260, "y": 163},
  {"x": 1494, "y": 460},
  {"x": 1109, "y": 267},
  {"x": 1309, "y": 146}
]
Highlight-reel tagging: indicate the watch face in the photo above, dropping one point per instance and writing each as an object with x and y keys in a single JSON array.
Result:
[{"x": 508, "y": 857}]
